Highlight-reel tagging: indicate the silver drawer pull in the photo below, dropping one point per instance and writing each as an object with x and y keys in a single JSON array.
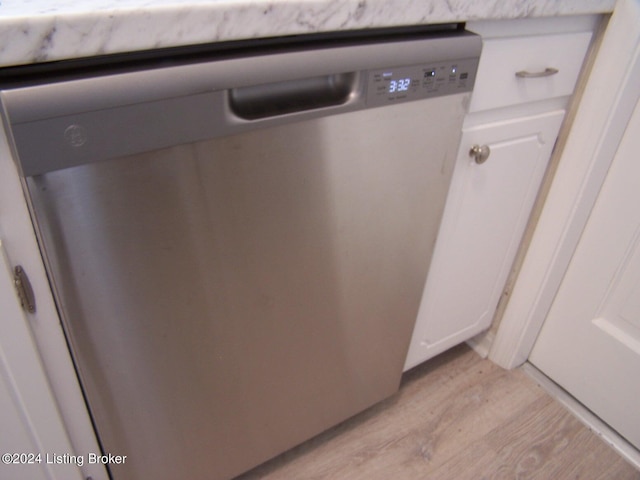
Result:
[{"x": 546, "y": 73}]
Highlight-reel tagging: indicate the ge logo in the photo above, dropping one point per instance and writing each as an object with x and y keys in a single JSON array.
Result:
[{"x": 75, "y": 135}]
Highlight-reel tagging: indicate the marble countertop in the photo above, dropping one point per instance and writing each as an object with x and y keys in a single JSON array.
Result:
[{"x": 34, "y": 31}]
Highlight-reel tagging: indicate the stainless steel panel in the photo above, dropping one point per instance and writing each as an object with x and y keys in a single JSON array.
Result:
[
  {"x": 92, "y": 119},
  {"x": 227, "y": 299},
  {"x": 141, "y": 86}
]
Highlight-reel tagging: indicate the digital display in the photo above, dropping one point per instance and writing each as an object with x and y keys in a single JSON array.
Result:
[
  {"x": 398, "y": 84},
  {"x": 401, "y": 85}
]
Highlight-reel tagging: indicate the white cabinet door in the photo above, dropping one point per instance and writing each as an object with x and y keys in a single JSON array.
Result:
[
  {"x": 29, "y": 420},
  {"x": 590, "y": 341},
  {"x": 486, "y": 213}
]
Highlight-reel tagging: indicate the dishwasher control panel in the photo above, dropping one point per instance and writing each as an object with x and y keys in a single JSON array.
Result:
[{"x": 400, "y": 84}]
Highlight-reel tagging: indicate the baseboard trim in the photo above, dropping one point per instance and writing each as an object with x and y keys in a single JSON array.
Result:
[{"x": 588, "y": 418}]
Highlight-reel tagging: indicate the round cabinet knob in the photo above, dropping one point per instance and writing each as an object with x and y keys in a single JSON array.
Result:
[{"x": 480, "y": 153}]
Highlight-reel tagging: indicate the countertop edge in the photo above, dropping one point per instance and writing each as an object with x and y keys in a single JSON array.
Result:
[{"x": 65, "y": 34}]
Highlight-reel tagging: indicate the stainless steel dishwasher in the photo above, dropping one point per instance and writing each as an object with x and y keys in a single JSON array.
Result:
[{"x": 238, "y": 244}]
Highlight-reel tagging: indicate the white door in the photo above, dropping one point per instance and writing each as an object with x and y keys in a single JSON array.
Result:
[{"x": 590, "y": 342}]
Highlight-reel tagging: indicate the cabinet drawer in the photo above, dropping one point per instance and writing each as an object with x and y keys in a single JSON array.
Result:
[{"x": 497, "y": 84}]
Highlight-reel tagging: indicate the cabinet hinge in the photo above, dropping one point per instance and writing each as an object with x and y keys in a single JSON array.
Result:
[{"x": 25, "y": 292}]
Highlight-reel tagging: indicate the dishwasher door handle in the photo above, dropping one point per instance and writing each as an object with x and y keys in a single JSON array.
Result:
[{"x": 293, "y": 96}]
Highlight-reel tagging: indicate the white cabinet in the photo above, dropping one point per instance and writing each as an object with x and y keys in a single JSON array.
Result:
[
  {"x": 29, "y": 420},
  {"x": 487, "y": 211},
  {"x": 527, "y": 71}
]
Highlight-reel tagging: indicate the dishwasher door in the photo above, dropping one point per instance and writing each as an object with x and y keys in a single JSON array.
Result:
[{"x": 227, "y": 298}]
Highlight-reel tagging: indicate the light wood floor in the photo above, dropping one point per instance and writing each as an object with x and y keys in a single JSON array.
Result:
[{"x": 455, "y": 417}]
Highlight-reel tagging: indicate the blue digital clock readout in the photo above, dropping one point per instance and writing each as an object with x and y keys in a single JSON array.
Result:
[{"x": 401, "y": 85}]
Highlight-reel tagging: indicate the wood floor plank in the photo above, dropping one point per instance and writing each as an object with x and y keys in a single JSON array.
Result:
[{"x": 455, "y": 417}]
